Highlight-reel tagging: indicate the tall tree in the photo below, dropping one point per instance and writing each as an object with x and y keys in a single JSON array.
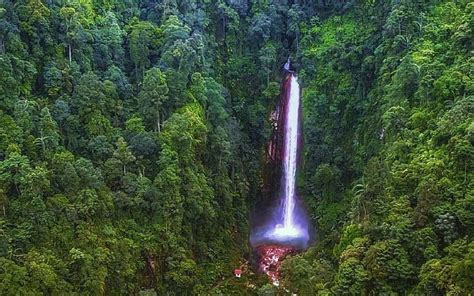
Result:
[{"x": 152, "y": 98}]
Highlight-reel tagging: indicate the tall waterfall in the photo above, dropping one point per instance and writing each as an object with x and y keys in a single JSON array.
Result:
[
  {"x": 291, "y": 155},
  {"x": 288, "y": 228},
  {"x": 282, "y": 228},
  {"x": 287, "y": 224},
  {"x": 285, "y": 230}
]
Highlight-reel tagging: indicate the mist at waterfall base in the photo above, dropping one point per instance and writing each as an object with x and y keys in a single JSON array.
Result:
[
  {"x": 268, "y": 227},
  {"x": 282, "y": 228}
]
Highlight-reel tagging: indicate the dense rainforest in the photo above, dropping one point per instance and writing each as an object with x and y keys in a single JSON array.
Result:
[{"x": 133, "y": 133}]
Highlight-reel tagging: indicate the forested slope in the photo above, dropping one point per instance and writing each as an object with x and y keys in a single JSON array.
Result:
[
  {"x": 130, "y": 142},
  {"x": 389, "y": 155},
  {"x": 132, "y": 136}
]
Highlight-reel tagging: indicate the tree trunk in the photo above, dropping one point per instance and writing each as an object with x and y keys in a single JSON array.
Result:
[
  {"x": 43, "y": 145},
  {"x": 158, "y": 123},
  {"x": 70, "y": 53}
]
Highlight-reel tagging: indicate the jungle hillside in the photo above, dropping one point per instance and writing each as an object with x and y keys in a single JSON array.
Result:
[{"x": 133, "y": 136}]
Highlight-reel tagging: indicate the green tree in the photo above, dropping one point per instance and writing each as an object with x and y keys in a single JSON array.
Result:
[
  {"x": 47, "y": 132},
  {"x": 152, "y": 98},
  {"x": 144, "y": 37},
  {"x": 123, "y": 154}
]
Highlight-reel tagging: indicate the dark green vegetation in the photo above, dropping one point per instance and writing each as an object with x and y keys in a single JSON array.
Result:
[
  {"x": 389, "y": 157},
  {"x": 132, "y": 135}
]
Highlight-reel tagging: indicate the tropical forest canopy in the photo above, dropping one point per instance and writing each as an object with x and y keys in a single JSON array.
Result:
[{"x": 133, "y": 133}]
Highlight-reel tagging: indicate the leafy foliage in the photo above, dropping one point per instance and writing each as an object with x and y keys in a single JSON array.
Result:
[
  {"x": 132, "y": 135},
  {"x": 388, "y": 106}
]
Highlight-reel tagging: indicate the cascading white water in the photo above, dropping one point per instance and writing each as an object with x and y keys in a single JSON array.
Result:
[
  {"x": 288, "y": 224},
  {"x": 288, "y": 228},
  {"x": 290, "y": 156}
]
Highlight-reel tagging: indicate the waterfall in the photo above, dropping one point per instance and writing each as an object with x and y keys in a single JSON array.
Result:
[
  {"x": 286, "y": 229},
  {"x": 291, "y": 154},
  {"x": 288, "y": 223}
]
